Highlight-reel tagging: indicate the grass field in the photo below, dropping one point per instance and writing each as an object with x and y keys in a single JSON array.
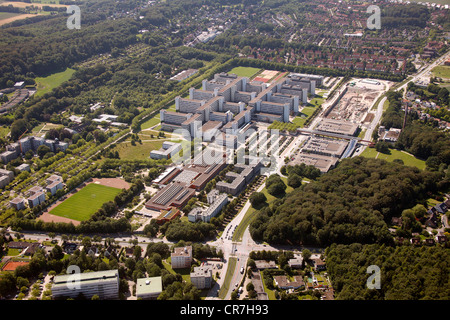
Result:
[
  {"x": 151, "y": 122},
  {"x": 47, "y": 84},
  {"x": 408, "y": 159},
  {"x": 304, "y": 114},
  {"x": 228, "y": 276},
  {"x": 85, "y": 202},
  {"x": 7, "y": 15},
  {"x": 4, "y": 131},
  {"x": 245, "y": 71},
  {"x": 441, "y": 72},
  {"x": 140, "y": 151}
]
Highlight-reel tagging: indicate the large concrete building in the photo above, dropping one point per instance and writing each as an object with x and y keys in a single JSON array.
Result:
[
  {"x": 31, "y": 143},
  {"x": 54, "y": 183},
  {"x": 325, "y": 146},
  {"x": 216, "y": 201},
  {"x": 234, "y": 102},
  {"x": 337, "y": 126},
  {"x": 104, "y": 284},
  {"x": 36, "y": 196},
  {"x": 17, "y": 203},
  {"x": 6, "y": 177},
  {"x": 236, "y": 180},
  {"x": 168, "y": 150}
]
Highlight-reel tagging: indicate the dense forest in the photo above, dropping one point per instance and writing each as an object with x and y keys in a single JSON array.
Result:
[
  {"x": 399, "y": 16},
  {"x": 422, "y": 138},
  {"x": 351, "y": 203},
  {"x": 406, "y": 272},
  {"x": 426, "y": 141}
]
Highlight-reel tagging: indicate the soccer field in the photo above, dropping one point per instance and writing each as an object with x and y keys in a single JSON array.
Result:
[
  {"x": 85, "y": 202},
  {"x": 245, "y": 71}
]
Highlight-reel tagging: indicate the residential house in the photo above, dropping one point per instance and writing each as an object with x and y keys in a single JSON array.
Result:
[
  {"x": 263, "y": 264},
  {"x": 283, "y": 282},
  {"x": 296, "y": 263},
  {"x": 441, "y": 237},
  {"x": 319, "y": 264}
]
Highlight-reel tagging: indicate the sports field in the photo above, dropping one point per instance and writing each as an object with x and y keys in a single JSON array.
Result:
[
  {"x": 245, "y": 71},
  {"x": 85, "y": 202}
]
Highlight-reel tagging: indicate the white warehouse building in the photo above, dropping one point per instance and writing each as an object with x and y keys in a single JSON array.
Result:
[{"x": 104, "y": 284}]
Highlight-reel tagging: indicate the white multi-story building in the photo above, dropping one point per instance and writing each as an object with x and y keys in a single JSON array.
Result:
[
  {"x": 181, "y": 257},
  {"x": 202, "y": 277},
  {"x": 104, "y": 284}
]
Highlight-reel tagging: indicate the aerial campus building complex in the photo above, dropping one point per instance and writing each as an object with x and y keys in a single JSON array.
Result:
[{"x": 225, "y": 104}]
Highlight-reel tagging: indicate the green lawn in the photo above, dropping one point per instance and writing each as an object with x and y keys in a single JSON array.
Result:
[
  {"x": 441, "y": 72},
  {"x": 245, "y": 71},
  {"x": 270, "y": 293},
  {"x": 151, "y": 122},
  {"x": 85, "y": 202},
  {"x": 7, "y": 15},
  {"x": 4, "y": 131},
  {"x": 408, "y": 159},
  {"x": 226, "y": 283},
  {"x": 140, "y": 151},
  {"x": 316, "y": 101},
  {"x": 303, "y": 115},
  {"x": 47, "y": 84}
]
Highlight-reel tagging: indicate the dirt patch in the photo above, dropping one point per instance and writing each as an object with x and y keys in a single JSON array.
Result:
[
  {"x": 12, "y": 265},
  {"x": 47, "y": 217},
  {"x": 19, "y": 17},
  {"x": 26, "y": 4},
  {"x": 112, "y": 182},
  {"x": 369, "y": 117}
]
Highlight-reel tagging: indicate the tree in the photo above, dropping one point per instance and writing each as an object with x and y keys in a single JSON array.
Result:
[
  {"x": 18, "y": 127},
  {"x": 277, "y": 189},
  {"x": 258, "y": 199},
  {"x": 306, "y": 254},
  {"x": 294, "y": 180},
  {"x": 42, "y": 151},
  {"x": 382, "y": 146}
]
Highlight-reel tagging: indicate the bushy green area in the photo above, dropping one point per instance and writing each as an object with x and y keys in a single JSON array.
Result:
[
  {"x": 349, "y": 204},
  {"x": 406, "y": 272},
  {"x": 85, "y": 202}
]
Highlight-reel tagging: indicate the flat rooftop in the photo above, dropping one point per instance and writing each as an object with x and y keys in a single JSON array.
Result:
[
  {"x": 175, "y": 194},
  {"x": 332, "y": 147},
  {"x": 323, "y": 163},
  {"x": 337, "y": 126},
  {"x": 149, "y": 285}
]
